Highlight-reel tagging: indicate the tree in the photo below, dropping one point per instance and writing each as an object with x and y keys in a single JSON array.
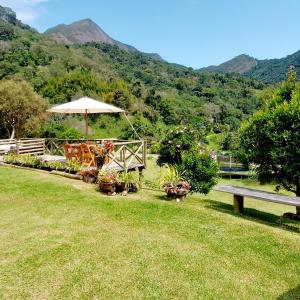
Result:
[
  {"x": 271, "y": 138},
  {"x": 21, "y": 108}
]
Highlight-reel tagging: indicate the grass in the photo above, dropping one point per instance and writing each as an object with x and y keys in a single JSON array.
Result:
[{"x": 62, "y": 239}]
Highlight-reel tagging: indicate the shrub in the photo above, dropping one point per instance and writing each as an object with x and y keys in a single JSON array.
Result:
[
  {"x": 199, "y": 170},
  {"x": 176, "y": 142},
  {"x": 108, "y": 176},
  {"x": 55, "y": 165},
  {"x": 154, "y": 148},
  {"x": 73, "y": 165},
  {"x": 23, "y": 160}
]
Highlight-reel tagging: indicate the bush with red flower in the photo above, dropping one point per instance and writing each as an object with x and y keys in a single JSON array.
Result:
[
  {"x": 175, "y": 143},
  {"x": 180, "y": 149}
]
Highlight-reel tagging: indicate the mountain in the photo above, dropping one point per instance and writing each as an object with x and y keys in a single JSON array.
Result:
[
  {"x": 275, "y": 70},
  {"x": 8, "y": 15},
  {"x": 239, "y": 64},
  {"x": 267, "y": 70},
  {"x": 156, "y": 94},
  {"x": 84, "y": 31}
]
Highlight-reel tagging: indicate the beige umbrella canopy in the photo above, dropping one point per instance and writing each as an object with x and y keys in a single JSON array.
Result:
[{"x": 85, "y": 106}]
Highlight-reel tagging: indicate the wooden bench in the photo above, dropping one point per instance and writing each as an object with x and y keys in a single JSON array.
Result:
[{"x": 239, "y": 193}]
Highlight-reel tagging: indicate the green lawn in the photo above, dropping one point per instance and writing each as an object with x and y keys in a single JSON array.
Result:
[{"x": 61, "y": 239}]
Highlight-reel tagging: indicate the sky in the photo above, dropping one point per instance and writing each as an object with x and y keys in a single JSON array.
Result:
[{"x": 194, "y": 33}]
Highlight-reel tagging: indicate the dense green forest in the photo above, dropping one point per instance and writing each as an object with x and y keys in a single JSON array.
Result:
[
  {"x": 266, "y": 70},
  {"x": 275, "y": 70},
  {"x": 156, "y": 94}
]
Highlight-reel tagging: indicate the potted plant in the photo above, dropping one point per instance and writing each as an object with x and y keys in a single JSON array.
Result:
[
  {"x": 102, "y": 153},
  {"x": 174, "y": 185},
  {"x": 127, "y": 182},
  {"x": 73, "y": 166},
  {"x": 107, "y": 181},
  {"x": 89, "y": 174}
]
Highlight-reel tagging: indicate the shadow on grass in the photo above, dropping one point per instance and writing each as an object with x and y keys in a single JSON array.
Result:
[
  {"x": 293, "y": 294},
  {"x": 164, "y": 198},
  {"x": 254, "y": 215}
]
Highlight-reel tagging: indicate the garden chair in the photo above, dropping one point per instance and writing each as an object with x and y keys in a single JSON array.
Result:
[{"x": 88, "y": 154}]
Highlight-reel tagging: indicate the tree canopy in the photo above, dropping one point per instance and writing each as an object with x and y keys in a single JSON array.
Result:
[
  {"x": 21, "y": 108},
  {"x": 271, "y": 138}
]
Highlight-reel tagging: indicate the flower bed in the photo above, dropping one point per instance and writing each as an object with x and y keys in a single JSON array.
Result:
[{"x": 31, "y": 161}]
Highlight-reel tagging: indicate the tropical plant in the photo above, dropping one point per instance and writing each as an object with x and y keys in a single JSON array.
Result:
[
  {"x": 173, "y": 183},
  {"x": 23, "y": 160},
  {"x": 171, "y": 176},
  {"x": 108, "y": 176},
  {"x": 130, "y": 179},
  {"x": 73, "y": 165},
  {"x": 55, "y": 165}
]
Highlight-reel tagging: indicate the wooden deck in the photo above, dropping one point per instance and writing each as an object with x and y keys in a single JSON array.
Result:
[{"x": 127, "y": 155}]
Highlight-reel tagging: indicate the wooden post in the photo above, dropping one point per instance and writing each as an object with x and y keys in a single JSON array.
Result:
[
  {"x": 51, "y": 147},
  {"x": 238, "y": 204},
  {"x": 18, "y": 146},
  {"x": 141, "y": 177},
  {"x": 145, "y": 153},
  {"x": 124, "y": 159},
  {"x": 86, "y": 123}
]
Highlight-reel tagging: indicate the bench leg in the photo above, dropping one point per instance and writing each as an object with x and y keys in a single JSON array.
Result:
[
  {"x": 238, "y": 204},
  {"x": 297, "y": 210}
]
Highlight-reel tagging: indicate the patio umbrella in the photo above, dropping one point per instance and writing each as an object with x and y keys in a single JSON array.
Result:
[{"x": 85, "y": 106}]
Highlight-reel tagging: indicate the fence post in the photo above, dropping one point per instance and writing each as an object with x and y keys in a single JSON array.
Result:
[
  {"x": 18, "y": 146},
  {"x": 124, "y": 158},
  {"x": 145, "y": 153}
]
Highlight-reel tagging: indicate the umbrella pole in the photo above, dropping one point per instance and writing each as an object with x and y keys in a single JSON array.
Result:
[
  {"x": 86, "y": 123},
  {"x": 132, "y": 126}
]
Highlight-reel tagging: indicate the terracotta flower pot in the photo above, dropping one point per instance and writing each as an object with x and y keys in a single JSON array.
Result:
[
  {"x": 120, "y": 187},
  {"x": 107, "y": 187}
]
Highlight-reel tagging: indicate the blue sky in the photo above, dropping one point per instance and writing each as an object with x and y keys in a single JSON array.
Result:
[{"x": 194, "y": 33}]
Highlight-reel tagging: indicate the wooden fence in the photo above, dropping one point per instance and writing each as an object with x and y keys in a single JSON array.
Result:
[
  {"x": 23, "y": 146},
  {"x": 126, "y": 154}
]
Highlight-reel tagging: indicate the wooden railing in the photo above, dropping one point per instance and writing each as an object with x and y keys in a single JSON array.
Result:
[
  {"x": 128, "y": 154},
  {"x": 23, "y": 146},
  {"x": 125, "y": 154}
]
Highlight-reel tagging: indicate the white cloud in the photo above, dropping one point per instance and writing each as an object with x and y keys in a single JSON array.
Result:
[{"x": 26, "y": 10}]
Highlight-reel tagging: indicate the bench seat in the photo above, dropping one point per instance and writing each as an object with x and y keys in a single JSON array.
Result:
[{"x": 240, "y": 192}]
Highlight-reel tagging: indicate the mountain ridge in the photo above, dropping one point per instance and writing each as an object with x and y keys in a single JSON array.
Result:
[
  {"x": 239, "y": 64},
  {"x": 268, "y": 70},
  {"x": 85, "y": 31}
]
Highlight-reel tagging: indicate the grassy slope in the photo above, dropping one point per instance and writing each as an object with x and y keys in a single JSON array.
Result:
[{"x": 62, "y": 239}]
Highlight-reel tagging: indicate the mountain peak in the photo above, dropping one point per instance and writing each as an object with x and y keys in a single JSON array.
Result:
[
  {"x": 84, "y": 31},
  {"x": 8, "y": 15},
  {"x": 239, "y": 64}
]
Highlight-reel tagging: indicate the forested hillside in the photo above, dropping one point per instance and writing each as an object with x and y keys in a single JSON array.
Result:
[
  {"x": 155, "y": 93},
  {"x": 266, "y": 70},
  {"x": 239, "y": 64},
  {"x": 274, "y": 70}
]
